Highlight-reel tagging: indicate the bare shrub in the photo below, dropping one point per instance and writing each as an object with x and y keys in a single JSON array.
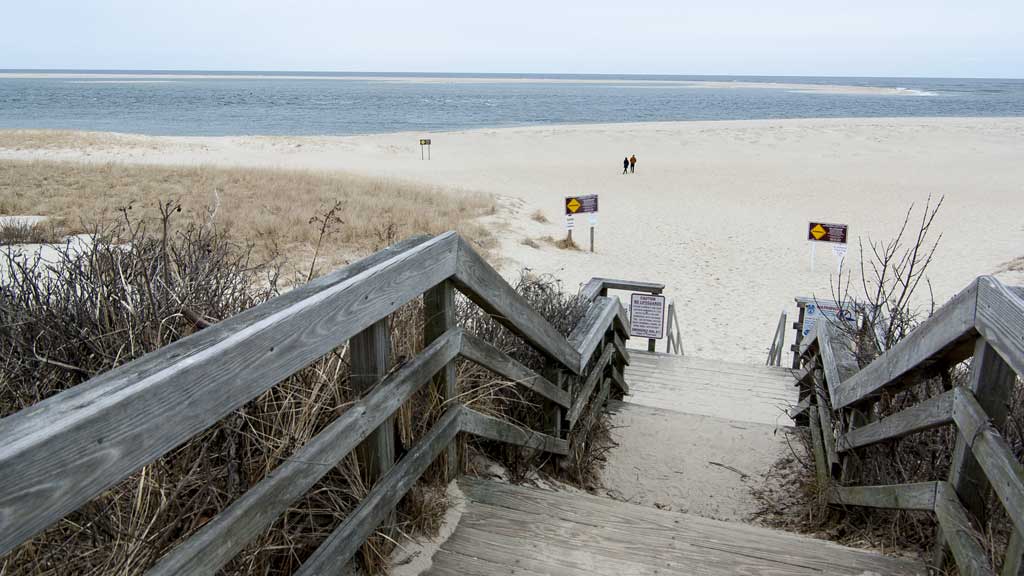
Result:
[
  {"x": 145, "y": 283},
  {"x": 538, "y": 216}
]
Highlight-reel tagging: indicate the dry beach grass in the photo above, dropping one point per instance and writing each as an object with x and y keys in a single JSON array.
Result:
[{"x": 271, "y": 208}]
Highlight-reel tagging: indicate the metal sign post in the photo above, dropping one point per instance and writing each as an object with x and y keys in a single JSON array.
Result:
[
  {"x": 581, "y": 205},
  {"x": 424, "y": 142},
  {"x": 647, "y": 317}
]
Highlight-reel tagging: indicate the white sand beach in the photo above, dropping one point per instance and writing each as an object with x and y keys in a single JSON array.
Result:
[{"x": 717, "y": 211}]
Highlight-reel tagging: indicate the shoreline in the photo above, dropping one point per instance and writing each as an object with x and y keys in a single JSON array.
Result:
[
  {"x": 654, "y": 124},
  {"x": 128, "y": 77}
]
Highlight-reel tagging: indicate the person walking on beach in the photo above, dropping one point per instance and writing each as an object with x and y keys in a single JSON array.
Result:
[
  {"x": 632, "y": 163},
  {"x": 625, "y": 165}
]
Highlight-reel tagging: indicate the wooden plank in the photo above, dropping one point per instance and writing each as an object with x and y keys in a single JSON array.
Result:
[
  {"x": 370, "y": 350},
  {"x": 588, "y": 334},
  {"x": 597, "y": 285},
  {"x": 992, "y": 453},
  {"x": 619, "y": 381},
  {"x": 804, "y": 373},
  {"x": 597, "y": 406},
  {"x": 492, "y": 428},
  {"x": 837, "y": 360},
  {"x": 438, "y": 319},
  {"x": 821, "y": 467},
  {"x": 1001, "y": 320},
  {"x": 828, "y": 432},
  {"x": 73, "y": 446},
  {"x": 345, "y": 540},
  {"x": 799, "y": 408},
  {"x": 603, "y": 529},
  {"x": 941, "y": 333},
  {"x": 933, "y": 412},
  {"x": 447, "y": 563},
  {"x": 620, "y": 348},
  {"x": 256, "y": 509},
  {"x": 592, "y": 289},
  {"x": 621, "y": 319},
  {"x": 809, "y": 344},
  {"x": 964, "y": 540},
  {"x": 476, "y": 349},
  {"x": 595, "y": 376},
  {"x": 919, "y": 496},
  {"x": 1013, "y": 563},
  {"x": 484, "y": 286},
  {"x": 991, "y": 381}
]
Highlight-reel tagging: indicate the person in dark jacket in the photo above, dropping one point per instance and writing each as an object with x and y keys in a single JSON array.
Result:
[{"x": 625, "y": 165}]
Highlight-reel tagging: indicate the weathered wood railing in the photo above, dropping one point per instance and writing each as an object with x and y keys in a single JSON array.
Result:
[
  {"x": 778, "y": 343},
  {"x": 64, "y": 451},
  {"x": 673, "y": 337},
  {"x": 984, "y": 321}
]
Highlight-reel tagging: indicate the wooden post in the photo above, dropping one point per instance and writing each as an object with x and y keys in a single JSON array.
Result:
[
  {"x": 591, "y": 239},
  {"x": 438, "y": 318},
  {"x": 799, "y": 326},
  {"x": 569, "y": 237},
  {"x": 991, "y": 381},
  {"x": 552, "y": 411},
  {"x": 370, "y": 349}
]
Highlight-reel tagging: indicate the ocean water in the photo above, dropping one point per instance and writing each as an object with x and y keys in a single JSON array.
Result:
[{"x": 323, "y": 104}]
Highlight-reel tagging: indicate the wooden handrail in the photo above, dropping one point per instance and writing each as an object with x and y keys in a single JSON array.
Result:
[
  {"x": 673, "y": 332},
  {"x": 65, "y": 450},
  {"x": 778, "y": 343},
  {"x": 984, "y": 321}
]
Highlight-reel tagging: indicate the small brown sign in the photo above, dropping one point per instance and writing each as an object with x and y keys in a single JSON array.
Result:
[
  {"x": 424, "y": 141},
  {"x": 823, "y": 232},
  {"x": 581, "y": 204}
]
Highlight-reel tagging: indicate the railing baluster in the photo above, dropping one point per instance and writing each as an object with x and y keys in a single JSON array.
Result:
[
  {"x": 370, "y": 350},
  {"x": 439, "y": 316},
  {"x": 991, "y": 381}
]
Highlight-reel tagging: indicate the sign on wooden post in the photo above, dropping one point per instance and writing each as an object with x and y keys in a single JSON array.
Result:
[
  {"x": 836, "y": 234},
  {"x": 424, "y": 142},
  {"x": 581, "y": 205}
]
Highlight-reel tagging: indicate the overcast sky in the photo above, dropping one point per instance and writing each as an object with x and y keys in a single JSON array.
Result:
[{"x": 963, "y": 38}]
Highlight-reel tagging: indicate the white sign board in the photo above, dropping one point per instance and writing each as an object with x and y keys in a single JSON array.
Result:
[
  {"x": 570, "y": 221},
  {"x": 647, "y": 316},
  {"x": 815, "y": 309}
]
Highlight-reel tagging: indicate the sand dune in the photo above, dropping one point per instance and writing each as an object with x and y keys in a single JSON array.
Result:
[{"x": 716, "y": 210}]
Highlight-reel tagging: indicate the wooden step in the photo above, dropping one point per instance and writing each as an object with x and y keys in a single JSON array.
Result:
[
  {"x": 742, "y": 392},
  {"x": 526, "y": 531}
]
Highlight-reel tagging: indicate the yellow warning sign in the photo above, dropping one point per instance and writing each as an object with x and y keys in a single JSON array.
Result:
[
  {"x": 818, "y": 232},
  {"x": 573, "y": 205}
]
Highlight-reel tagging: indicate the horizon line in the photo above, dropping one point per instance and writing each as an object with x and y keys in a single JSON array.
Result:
[{"x": 186, "y": 71}]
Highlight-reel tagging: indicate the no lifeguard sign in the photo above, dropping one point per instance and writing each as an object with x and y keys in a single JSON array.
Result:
[{"x": 822, "y": 232}]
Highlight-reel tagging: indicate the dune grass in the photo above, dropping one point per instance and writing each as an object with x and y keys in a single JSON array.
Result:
[{"x": 276, "y": 210}]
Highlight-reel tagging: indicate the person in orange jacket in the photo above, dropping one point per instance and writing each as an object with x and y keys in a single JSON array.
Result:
[{"x": 632, "y": 163}]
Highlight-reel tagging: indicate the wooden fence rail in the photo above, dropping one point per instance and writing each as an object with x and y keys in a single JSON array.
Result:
[
  {"x": 984, "y": 322},
  {"x": 59, "y": 453}
]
